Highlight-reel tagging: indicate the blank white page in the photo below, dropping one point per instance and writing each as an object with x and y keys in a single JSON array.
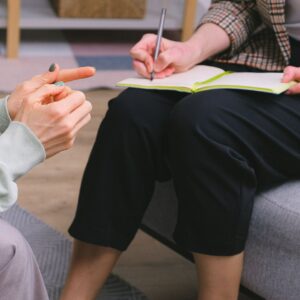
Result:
[
  {"x": 186, "y": 79},
  {"x": 248, "y": 79}
]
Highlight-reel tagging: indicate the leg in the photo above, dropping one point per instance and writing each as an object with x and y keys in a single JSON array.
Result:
[
  {"x": 218, "y": 276},
  {"x": 224, "y": 147},
  {"x": 88, "y": 261},
  {"x": 127, "y": 158},
  {"x": 20, "y": 277}
]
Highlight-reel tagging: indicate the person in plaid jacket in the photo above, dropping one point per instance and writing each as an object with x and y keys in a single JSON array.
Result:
[{"x": 220, "y": 147}]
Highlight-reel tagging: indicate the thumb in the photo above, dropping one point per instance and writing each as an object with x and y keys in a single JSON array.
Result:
[
  {"x": 164, "y": 60},
  {"x": 46, "y": 78}
]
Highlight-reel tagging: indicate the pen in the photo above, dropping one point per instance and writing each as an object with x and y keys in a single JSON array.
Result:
[{"x": 159, "y": 36}]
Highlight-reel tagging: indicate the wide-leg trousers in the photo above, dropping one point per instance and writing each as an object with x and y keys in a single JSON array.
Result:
[
  {"x": 20, "y": 277},
  {"x": 220, "y": 147}
]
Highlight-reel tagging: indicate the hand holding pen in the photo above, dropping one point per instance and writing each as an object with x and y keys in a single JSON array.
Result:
[{"x": 154, "y": 54}]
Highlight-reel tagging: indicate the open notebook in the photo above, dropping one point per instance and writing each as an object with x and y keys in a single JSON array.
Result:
[{"x": 201, "y": 78}]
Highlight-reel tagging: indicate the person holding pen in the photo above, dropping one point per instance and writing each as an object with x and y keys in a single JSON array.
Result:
[
  {"x": 38, "y": 120},
  {"x": 220, "y": 147}
]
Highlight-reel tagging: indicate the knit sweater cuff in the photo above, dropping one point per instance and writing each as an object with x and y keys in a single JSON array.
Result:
[
  {"x": 20, "y": 149},
  {"x": 4, "y": 115}
]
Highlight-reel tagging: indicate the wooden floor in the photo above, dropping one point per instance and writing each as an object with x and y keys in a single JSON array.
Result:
[{"x": 50, "y": 192}]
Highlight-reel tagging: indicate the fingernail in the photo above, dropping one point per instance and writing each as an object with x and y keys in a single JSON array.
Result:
[
  {"x": 52, "y": 68},
  {"x": 59, "y": 83}
]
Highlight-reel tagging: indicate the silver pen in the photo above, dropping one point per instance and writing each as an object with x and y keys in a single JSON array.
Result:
[{"x": 159, "y": 37}]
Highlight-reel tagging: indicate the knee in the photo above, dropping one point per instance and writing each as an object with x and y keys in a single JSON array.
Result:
[
  {"x": 128, "y": 109},
  {"x": 14, "y": 250},
  {"x": 195, "y": 116},
  {"x": 7, "y": 250},
  {"x": 208, "y": 125}
]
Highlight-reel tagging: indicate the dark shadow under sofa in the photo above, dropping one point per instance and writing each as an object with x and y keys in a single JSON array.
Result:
[{"x": 272, "y": 255}]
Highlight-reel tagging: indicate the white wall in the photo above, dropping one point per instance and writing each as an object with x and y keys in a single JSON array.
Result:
[
  {"x": 204, "y": 2},
  {"x": 202, "y": 7}
]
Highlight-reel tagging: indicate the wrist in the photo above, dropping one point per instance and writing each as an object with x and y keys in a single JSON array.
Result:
[
  {"x": 194, "y": 49},
  {"x": 207, "y": 41}
]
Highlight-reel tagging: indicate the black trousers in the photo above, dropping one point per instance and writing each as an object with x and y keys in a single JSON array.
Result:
[{"x": 220, "y": 147}]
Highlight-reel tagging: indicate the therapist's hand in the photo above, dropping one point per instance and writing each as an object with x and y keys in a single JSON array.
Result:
[
  {"x": 292, "y": 74},
  {"x": 174, "y": 57},
  {"x": 53, "y": 75},
  {"x": 56, "y": 123}
]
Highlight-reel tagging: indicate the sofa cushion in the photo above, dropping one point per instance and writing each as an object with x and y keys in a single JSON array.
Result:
[{"x": 272, "y": 255}]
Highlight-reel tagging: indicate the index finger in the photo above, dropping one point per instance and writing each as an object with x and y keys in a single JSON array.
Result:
[
  {"x": 75, "y": 74},
  {"x": 146, "y": 44}
]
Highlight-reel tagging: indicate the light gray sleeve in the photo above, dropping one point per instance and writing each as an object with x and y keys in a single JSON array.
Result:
[
  {"x": 20, "y": 151},
  {"x": 4, "y": 115}
]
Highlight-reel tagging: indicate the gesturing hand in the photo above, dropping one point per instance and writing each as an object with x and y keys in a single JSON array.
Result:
[
  {"x": 174, "y": 57},
  {"x": 30, "y": 86},
  {"x": 56, "y": 123},
  {"x": 292, "y": 74}
]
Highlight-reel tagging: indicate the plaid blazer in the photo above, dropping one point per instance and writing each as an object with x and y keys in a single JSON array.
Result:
[{"x": 256, "y": 30}]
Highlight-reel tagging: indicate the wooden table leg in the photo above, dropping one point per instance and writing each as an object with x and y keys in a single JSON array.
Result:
[
  {"x": 190, "y": 11},
  {"x": 13, "y": 28}
]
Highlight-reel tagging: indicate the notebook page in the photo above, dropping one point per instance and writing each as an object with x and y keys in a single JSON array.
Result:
[
  {"x": 186, "y": 79},
  {"x": 270, "y": 81}
]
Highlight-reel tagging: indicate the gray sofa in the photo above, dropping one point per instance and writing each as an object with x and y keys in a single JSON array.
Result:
[{"x": 272, "y": 256}]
